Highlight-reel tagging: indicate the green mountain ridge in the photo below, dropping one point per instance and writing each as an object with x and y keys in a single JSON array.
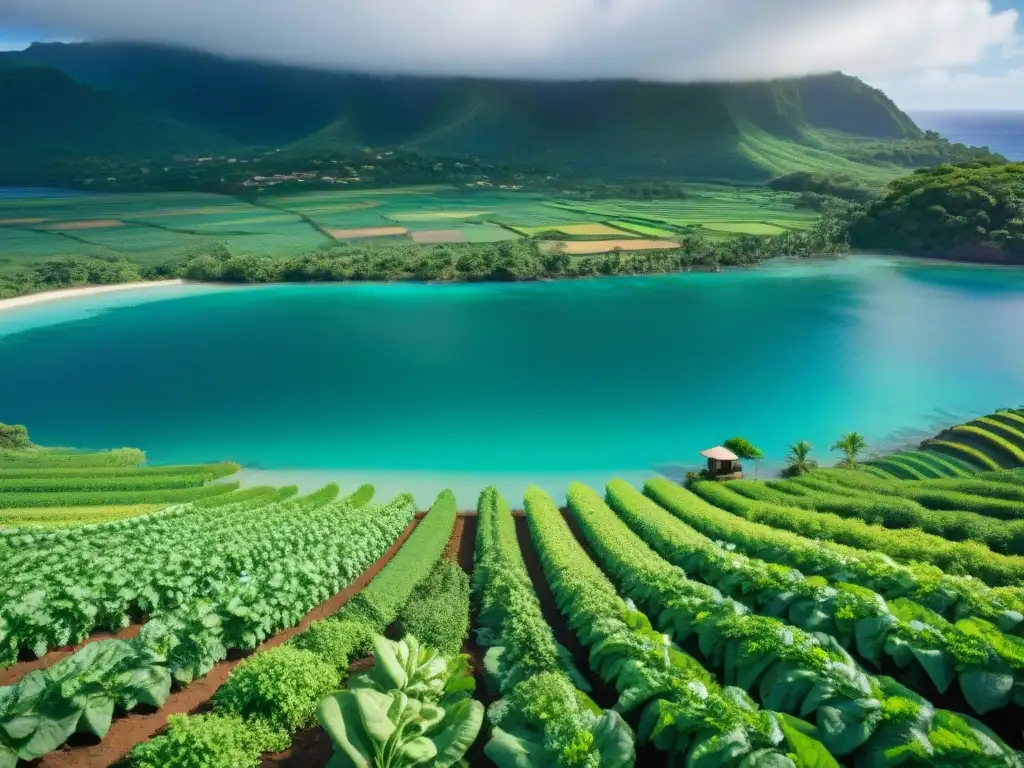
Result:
[{"x": 749, "y": 132}]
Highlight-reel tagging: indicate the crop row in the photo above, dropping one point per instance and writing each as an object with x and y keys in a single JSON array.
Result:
[
  {"x": 302, "y": 562},
  {"x": 951, "y": 596},
  {"x": 963, "y": 451},
  {"x": 960, "y": 557},
  {"x": 545, "y": 717},
  {"x": 57, "y": 457},
  {"x": 892, "y": 512},
  {"x": 53, "y": 595},
  {"x": 858, "y": 715},
  {"x": 678, "y": 705},
  {"x": 11, "y": 500},
  {"x": 271, "y": 695},
  {"x": 988, "y": 436},
  {"x": 916, "y": 640},
  {"x": 209, "y": 471},
  {"x": 111, "y": 483}
]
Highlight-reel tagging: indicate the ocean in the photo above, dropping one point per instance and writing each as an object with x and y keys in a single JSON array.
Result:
[{"x": 1002, "y": 132}]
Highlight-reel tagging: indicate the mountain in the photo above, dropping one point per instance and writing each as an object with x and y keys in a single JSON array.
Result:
[
  {"x": 48, "y": 117},
  {"x": 749, "y": 131}
]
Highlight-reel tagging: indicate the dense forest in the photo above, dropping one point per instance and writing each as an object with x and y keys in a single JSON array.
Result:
[{"x": 973, "y": 212}]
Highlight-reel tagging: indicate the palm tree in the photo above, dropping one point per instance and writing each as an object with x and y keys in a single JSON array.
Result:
[
  {"x": 799, "y": 462},
  {"x": 852, "y": 445}
]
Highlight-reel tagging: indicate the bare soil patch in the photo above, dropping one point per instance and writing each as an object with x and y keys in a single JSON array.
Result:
[
  {"x": 590, "y": 247},
  {"x": 139, "y": 726},
  {"x": 440, "y": 236},
  {"x": 354, "y": 234},
  {"x": 68, "y": 226}
]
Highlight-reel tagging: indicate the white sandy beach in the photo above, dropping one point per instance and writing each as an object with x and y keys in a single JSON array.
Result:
[{"x": 89, "y": 290}]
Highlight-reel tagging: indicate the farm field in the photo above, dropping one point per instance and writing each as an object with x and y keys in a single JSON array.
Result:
[
  {"x": 811, "y": 621},
  {"x": 153, "y": 229}
]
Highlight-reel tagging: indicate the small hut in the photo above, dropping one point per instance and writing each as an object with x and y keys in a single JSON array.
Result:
[{"x": 723, "y": 464}]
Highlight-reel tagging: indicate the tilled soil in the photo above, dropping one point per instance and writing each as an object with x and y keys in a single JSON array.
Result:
[{"x": 139, "y": 725}]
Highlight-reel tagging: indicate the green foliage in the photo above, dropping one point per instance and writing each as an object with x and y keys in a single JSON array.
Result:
[
  {"x": 841, "y": 185},
  {"x": 798, "y": 461},
  {"x": 336, "y": 642},
  {"x": 680, "y": 705},
  {"x": 379, "y": 604},
  {"x": 744, "y": 449},
  {"x": 12, "y": 500},
  {"x": 282, "y": 687},
  {"x": 961, "y": 557},
  {"x": 785, "y": 667},
  {"x": 971, "y": 211},
  {"x": 950, "y": 595},
  {"x": 437, "y": 613},
  {"x": 851, "y": 445},
  {"x": 14, "y": 437},
  {"x": 204, "y": 741}
]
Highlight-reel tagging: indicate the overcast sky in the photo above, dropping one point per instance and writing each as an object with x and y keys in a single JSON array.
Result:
[{"x": 924, "y": 53}]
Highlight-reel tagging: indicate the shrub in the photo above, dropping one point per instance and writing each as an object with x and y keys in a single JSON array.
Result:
[
  {"x": 14, "y": 437},
  {"x": 336, "y": 642},
  {"x": 202, "y": 741},
  {"x": 282, "y": 686},
  {"x": 437, "y": 614}
]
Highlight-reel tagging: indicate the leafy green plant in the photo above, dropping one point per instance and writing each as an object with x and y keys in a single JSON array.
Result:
[
  {"x": 438, "y": 610},
  {"x": 850, "y": 445},
  {"x": 205, "y": 741},
  {"x": 407, "y": 666},
  {"x": 282, "y": 687},
  {"x": 336, "y": 642},
  {"x": 799, "y": 461},
  {"x": 746, "y": 450}
]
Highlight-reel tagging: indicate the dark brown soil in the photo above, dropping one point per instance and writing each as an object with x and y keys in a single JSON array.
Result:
[
  {"x": 14, "y": 673},
  {"x": 139, "y": 726},
  {"x": 461, "y": 544},
  {"x": 604, "y": 695}
]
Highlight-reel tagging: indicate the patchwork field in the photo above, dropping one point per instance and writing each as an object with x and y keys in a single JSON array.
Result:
[
  {"x": 812, "y": 621},
  {"x": 153, "y": 229}
]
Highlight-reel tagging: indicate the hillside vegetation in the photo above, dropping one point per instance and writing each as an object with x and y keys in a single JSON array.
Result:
[
  {"x": 746, "y": 132},
  {"x": 973, "y": 212}
]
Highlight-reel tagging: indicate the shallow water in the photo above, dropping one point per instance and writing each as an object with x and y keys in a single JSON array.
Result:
[{"x": 424, "y": 386}]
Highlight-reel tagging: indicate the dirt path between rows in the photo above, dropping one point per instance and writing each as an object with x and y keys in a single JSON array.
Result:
[
  {"x": 604, "y": 695},
  {"x": 312, "y": 747},
  {"x": 129, "y": 730}
]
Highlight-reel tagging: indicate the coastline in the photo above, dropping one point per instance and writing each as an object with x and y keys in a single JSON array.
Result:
[{"x": 30, "y": 299}]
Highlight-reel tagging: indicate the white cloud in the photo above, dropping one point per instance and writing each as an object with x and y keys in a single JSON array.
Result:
[
  {"x": 651, "y": 39},
  {"x": 951, "y": 89}
]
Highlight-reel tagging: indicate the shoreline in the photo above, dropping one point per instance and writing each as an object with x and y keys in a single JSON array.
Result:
[{"x": 30, "y": 299}]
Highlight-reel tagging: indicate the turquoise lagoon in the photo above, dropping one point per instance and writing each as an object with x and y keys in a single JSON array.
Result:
[{"x": 422, "y": 387}]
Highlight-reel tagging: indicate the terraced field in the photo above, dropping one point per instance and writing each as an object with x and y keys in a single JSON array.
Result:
[
  {"x": 839, "y": 617},
  {"x": 153, "y": 229}
]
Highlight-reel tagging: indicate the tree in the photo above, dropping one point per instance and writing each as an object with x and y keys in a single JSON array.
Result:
[
  {"x": 852, "y": 445},
  {"x": 799, "y": 462},
  {"x": 14, "y": 437},
  {"x": 746, "y": 450}
]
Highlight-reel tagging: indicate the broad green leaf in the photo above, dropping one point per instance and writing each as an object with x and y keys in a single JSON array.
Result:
[
  {"x": 457, "y": 731},
  {"x": 846, "y": 725},
  {"x": 939, "y": 666},
  {"x": 613, "y": 739},
  {"x": 767, "y": 758},
  {"x": 712, "y": 749},
  {"x": 987, "y": 688},
  {"x": 515, "y": 751},
  {"x": 387, "y": 664},
  {"x": 98, "y": 712},
  {"x": 340, "y": 717},
  {"x": 807, "y": 752}
]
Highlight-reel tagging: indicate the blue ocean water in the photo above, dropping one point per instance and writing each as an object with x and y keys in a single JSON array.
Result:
[
  {"x": 1002, "y": 132},
  {"x": 431, "y": 385}
]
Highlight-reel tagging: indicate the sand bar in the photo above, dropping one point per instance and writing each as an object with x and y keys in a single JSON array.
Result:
[{"x": 86, "y": 290}]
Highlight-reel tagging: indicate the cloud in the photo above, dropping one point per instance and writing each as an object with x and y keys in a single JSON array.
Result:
[
  {"x": 648, "y": 39},
  {"x": 951, "y": 89}
]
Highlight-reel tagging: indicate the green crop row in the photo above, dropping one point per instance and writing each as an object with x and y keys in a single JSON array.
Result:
[
  {"x": 1000, "y": 444},
  {"x": 301, "y": 562},
  {"x": 527, "y": 665},
  {"x": 437, "y": 613},
  {"x": 680, "y": 708},
  {"x": 1008, "y": 431},
  {"x": 901, "y": 469},
  {"x": 968, "y": 452},
  {"x": 55, "y": 589},
  {"x": 858, "y": 716},
  {"x": 271, "y": 695},
  {"x": 855, "y": 616},
  {"x": 208, "y": 471},
  {"x": 978, "y": 494},
  {"x": 55, "y": 485},
  {"x": 891, "y": 512},
  {"x": 57, "y": 457},
  {"x": 951, "y": 596},
  {"x": 906, "y": 545},
  {"x": 11, "y": 500}
]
